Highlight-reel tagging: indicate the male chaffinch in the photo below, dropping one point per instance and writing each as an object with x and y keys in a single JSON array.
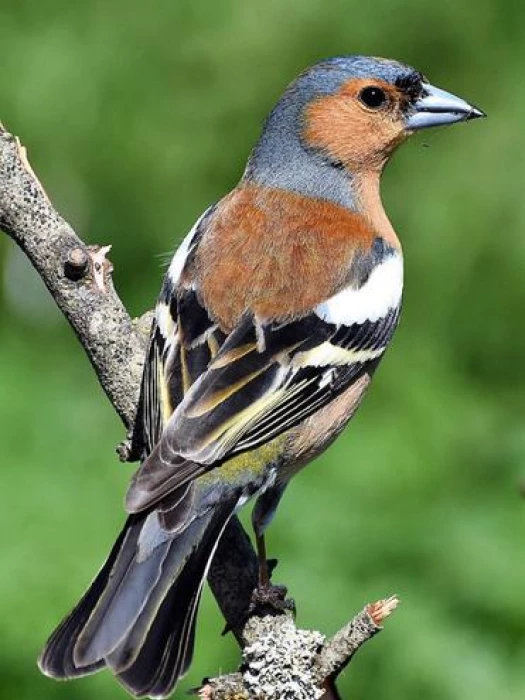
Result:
[{"x": 272, "y": 318}]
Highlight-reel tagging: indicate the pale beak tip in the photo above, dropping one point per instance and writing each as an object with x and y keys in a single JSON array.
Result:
[{"x": 476, "y": 113}]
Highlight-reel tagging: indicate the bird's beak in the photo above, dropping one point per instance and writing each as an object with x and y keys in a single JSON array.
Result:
[{"x": 435, "y": 107}]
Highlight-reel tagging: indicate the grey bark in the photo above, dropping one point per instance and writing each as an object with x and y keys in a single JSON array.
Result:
[
  {"x": 79, "y": 280},
  {"x": 279, "y": 660}
]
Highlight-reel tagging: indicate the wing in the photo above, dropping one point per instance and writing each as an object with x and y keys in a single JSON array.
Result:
[
  {"x": 250, "y": 395},
  {"x": 168, "y": 364},
  {"x": 268, "y": 377},
  {"x": 183, "y": 341}
]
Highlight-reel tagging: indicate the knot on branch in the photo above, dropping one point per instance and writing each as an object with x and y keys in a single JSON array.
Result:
[
  {"x": 76, "y": 264},
  {"x": 89, "y": 262}
]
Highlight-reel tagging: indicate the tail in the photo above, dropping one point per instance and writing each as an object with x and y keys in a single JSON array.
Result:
[{"x": 138, "y": 616}]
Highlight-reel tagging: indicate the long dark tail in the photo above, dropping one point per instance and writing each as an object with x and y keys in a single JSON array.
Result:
[{"x": 138, "y": 616}]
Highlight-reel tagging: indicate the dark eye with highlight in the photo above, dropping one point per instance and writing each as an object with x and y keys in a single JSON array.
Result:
[{"x": 373, "y": 97}]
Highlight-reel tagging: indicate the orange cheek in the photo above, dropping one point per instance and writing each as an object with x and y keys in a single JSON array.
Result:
[{"x": 348, "y": 133}]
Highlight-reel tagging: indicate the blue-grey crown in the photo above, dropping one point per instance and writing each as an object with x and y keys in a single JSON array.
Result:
[
  {"x": 328, "y": 75},
  {"x": 337, "y": 70}
]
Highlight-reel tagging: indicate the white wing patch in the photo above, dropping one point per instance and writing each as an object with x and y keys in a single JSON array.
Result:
[
  {"x": 380, "y": 293},
  {"x": 165, "y": 322},
  {"x": 179, "y": 259}
]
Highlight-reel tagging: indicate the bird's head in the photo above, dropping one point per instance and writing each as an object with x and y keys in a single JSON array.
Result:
[
  {"x": 360, "y": 108},
  {"x": 347, "y": 115}
]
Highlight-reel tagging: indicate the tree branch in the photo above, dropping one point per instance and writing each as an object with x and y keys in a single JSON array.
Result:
[
  {"x": 279, "y": 660},
  {"x": 286, "y": 663},
  {"x": 79, "y": 279},
  {"x": 338, "y": 651}
]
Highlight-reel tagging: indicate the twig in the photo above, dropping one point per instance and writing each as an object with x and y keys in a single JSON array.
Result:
[{"x": 337, "y": 652}]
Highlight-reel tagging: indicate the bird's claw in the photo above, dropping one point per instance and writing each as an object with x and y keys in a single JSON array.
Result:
[{"x": 270, "y": 599}]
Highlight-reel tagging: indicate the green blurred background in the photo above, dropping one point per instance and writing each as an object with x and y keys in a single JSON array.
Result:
[{"x": 137, "y": 115}]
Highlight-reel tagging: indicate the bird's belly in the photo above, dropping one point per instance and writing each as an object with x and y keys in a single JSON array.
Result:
[{"x": 310, "y": 438}]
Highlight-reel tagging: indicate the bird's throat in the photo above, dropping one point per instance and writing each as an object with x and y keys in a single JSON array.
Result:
[{"x": 366, "y": 196}]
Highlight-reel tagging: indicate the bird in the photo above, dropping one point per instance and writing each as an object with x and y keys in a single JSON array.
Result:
[{"x": 272, "y": 318}]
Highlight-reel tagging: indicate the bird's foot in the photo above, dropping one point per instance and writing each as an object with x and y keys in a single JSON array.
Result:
[{"x": 270, "y": 599}]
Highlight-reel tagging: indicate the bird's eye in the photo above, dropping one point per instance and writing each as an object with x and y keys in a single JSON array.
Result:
[{"x": 373, "y": 97}]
